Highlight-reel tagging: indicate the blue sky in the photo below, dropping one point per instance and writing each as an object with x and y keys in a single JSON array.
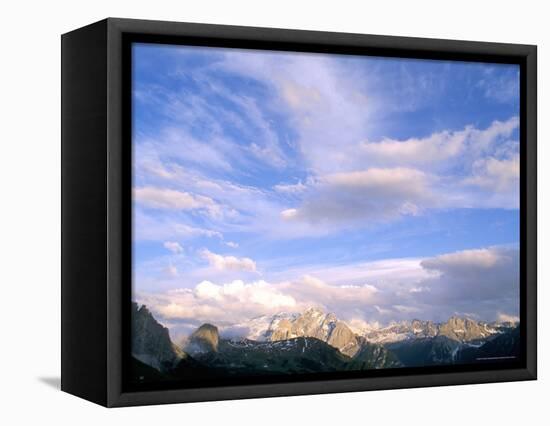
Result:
[{"x": 380, "y": 189}]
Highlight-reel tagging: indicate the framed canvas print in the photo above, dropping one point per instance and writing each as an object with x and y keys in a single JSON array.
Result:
[{"x": 253, "y": 212}]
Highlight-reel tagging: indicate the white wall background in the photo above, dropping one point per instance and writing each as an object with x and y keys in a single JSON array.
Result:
[{"x": 30, "y": 210}]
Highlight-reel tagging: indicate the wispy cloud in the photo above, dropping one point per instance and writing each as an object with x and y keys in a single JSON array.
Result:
[
  {"x": 435, "y": 150},
  {"x": 231, "y": 263},
  {"x": 173, "y": 246},
  {"x": 496, "y": 175},
  {"x": 163, "y": 198},
  {"x": 500, "y": 85},
  {"x": 171, "y": 271},
  {"x": 151, "y": 227}
]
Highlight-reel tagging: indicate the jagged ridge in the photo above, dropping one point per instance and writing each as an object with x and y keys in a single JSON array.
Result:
[
  {"x": 151, "y": 342},
  {"x": 311, "y": 342}
]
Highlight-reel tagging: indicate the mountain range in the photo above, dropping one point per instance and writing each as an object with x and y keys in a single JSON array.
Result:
[
  {"x": 325, "y": 326},
  {"x": 312, "y": 322},
  {"x": 311, "y": 342}
]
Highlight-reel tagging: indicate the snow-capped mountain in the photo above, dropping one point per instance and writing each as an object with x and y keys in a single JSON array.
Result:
[
  {"x": 403, "y": 330},
  {"x": 327, "y": 327},
  {"x": 257, "y": 328},
  {"x": 311, "y": 323},
  {"x": 455, "y": 328}
]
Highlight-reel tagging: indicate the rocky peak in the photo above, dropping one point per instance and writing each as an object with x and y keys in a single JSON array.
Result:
[
  {"x": 151, "y": 342},
  {"x": 455, "y": 328},
  {"x": 313, "y": 322},
  {"x": 423, "y": 328},
  {"x": 464, "y": 329},
  {"x": 206, "y": 338},
  {"x": 331, "y": 317},
  {"x": 313, "y": 313}
]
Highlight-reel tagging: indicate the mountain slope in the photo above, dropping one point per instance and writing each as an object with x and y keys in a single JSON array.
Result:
[
  {"x": 465, "y": 329},
  {"x": 291, "y": 356},
  {"x": 373, "y": 356},
  {"x": 151, "y": 342},
  {"x": 444, "y": 350},
  {"x": 502, "y": 347},
  {"x": 425, "y": 351}
]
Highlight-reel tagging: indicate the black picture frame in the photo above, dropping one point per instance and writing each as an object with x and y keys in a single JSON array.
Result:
[{"x": 96, "y": 205}]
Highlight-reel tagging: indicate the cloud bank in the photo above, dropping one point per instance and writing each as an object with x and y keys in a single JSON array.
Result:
[{"x": 442, "y": 286}]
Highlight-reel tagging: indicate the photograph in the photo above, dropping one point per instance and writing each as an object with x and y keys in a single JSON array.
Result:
[{"x": 297, "y": 213}]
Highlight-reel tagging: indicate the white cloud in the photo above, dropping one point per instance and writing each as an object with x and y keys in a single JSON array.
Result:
[
  {"x": 459, "y": 261},
  {"x": 482, "y": 282},
  {"x": 208, "y": 290},
  {"x": 257, "y": 293},
  {"x": 378, "y": 179},
  {"x": 364, "y": 196},
  {"x": 312, "y": 291},
  {"x": 148, "y": 163},
  {"x": 482, "y": 140},
  {"x": 218, "y": 149},
  {"x": 330, "y": 115},
  {"x": 191, "y": 231},
  {"x": 173, "y": 246},
  {"x": 435, "y": 149},
  {"x": 170, "y": 199},
  {"x": 289, "y": 213},
  {"x": 267, "y": 146},
  {"x": 245, "y": 208},
  {"x": 418, "y": 289},
  {"x": 237, "y": 301},
  {"x": 503, "y": 88},
  {"x": 333, "y": 112},
  {"x": 321, "y": 95},
  {"x": 230, "y": 263},
  {"x": 149, "y": 227},
  {"x": 232, "y": 244},
  {"x": 387, "y": 273},
  {"x": 294, "y": 188},
  {"x": 496, "y": 175},
  {"x": 222, "y": 304},
  {"x": 176, "y": 143},
  {"x": 300, "y": 96}
]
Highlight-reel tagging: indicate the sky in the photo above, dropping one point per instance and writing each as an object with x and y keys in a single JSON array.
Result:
[{"x": 380, "y": 189}]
